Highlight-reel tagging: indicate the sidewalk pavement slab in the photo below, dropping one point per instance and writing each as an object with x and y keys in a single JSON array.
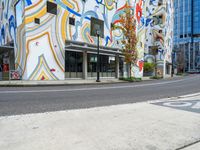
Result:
[{"x": 139, "y": 126}]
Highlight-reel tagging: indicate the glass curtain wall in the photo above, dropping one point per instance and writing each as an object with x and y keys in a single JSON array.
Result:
[{"x": 187, "y": 31}]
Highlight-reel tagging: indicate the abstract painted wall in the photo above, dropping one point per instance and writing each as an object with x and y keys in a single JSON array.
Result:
[
  {"x": 7, "y": 22},
  {"x": 39, "y": 48}
]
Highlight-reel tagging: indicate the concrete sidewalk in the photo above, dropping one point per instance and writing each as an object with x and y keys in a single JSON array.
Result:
[{"x": 140, "y": 126}]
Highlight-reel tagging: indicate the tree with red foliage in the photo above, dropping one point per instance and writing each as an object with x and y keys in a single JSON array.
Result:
[{"x": 128, "y": 27}]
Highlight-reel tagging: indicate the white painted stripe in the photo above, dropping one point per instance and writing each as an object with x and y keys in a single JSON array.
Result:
[
  {"x": 89, "y": 89},
  {"x": 196, "y": 106},
  {"x": 190, "y": 95}
]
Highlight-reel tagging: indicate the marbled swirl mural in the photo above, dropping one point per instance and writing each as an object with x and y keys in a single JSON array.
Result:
[{"x": 39, "y": 48}]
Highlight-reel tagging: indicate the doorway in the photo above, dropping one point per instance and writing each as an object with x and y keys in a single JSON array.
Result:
[{"x": 7, "y": 62}]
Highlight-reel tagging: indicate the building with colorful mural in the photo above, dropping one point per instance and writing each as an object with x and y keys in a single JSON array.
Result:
[
  {"x": 50, "y": 39},
  {"x": 158, "y": 24}
]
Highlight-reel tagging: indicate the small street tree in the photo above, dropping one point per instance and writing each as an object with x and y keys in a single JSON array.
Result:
[{"x": 128, "y": 27}]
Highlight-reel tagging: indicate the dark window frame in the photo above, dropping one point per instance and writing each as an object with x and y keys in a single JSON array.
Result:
[
  {"x": 52, "y": 8},
  {"x": 37, "y": 20},
  {"x": 72, "y": 21}
]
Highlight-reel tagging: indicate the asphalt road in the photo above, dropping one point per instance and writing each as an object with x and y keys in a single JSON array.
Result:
[{"x": 25, "y": 100}]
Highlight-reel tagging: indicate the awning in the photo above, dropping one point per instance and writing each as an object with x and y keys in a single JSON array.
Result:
[{"x": 82, "y": 46}]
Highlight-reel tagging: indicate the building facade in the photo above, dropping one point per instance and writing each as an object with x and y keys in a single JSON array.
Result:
[
  {"x": 50, "y": 39},
  {"x": 187, "y": 35},
  {"x": 158, "y": 29}
]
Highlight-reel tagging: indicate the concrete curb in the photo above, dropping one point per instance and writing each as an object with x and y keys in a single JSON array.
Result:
[
  {"x": 57, "y": 84},
  {"x": 68, "y": 83}
]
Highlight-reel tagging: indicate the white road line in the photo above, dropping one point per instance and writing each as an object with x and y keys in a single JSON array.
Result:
[
  {"x": 88, "y": 89},
  {"x": 196, "y": 106}
]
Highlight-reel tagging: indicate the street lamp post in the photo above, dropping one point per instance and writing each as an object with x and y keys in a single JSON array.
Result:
[
  {"x": 97, "y": 30},
  {"x": 98, "y": 58}
]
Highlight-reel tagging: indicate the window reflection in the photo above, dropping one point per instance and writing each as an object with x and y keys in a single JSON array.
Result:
[
  {"x": 73, "y": 64},
  {"x": 107, "y": 65}
]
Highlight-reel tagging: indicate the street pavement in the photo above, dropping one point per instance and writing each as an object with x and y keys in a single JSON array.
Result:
[
  {"x": 164, "y": 124},
  {"x": 39, "y": 99}
]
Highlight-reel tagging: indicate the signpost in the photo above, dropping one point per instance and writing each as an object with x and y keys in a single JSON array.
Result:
[{"x": 97, "y": 29}]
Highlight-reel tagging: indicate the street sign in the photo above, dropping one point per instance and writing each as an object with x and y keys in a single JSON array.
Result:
[
  {"x": 190, "y": 105},
  {"x": 15, "y": 75},
  {"x": 97, "y": 27}
]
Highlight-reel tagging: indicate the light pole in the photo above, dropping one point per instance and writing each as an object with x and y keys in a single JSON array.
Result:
[
  {"x": 98, "y": 58},
  {"x": 97, "y": 30}
]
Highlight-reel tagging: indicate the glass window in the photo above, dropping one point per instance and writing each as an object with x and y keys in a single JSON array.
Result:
[
  {"x": 73, "y": 64},
  {"x": 92, "y": 65},
  {"x": 107, "y": 65},
  {"x": 19, "y": 12},
  {"x": 121, "y": 67},
  {"x": 51, "y": 7}
]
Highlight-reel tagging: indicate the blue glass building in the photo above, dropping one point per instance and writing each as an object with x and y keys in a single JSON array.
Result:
[{"x": 187, "y": 34}]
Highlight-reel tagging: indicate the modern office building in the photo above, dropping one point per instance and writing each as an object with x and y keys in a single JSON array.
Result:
[
  {"x": 50, "y": 39},
  {"x": 187, "y": 35}
]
